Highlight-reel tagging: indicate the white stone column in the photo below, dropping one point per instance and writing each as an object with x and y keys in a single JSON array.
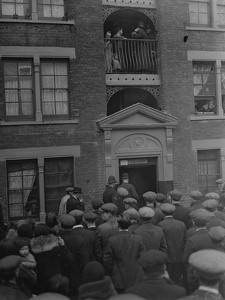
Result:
[
  {"x": 219, "y": 88},
  {"x": 41, "y": 188},
  {"x": 37, "y": 88},
  {"x": 213, "y": 10},
  {"x": 34, "y": 10}
]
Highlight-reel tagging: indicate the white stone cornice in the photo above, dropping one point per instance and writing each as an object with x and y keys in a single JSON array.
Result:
[{"x": 131, "y": 3}]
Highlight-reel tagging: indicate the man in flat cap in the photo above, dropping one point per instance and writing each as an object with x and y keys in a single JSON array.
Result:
[
  {"x": 197, "y": 199},
  {"x": 209, "y": 265},
  {"x": 153, "y": 236},
  {"x": 156, "y": 284},
  {"x": 95, "y": 206},
  {"x": 89, "y": 219},
  {"x": 69, "y": 193},
  {"x": 134, "y": 217},
  {"x": 78, "y": 249},
  {"x": 121, "y": 256},
  {"x": 129, "y": 187},
  {"x": 175, "y": 233},
  {"x": 130, "y": 203},
  {"x": 110, "y": 226},
  {"x": 110, "y": 195},
  {"x": 211, "y": 206},
  {"x": 220, "y": 187},
  {"x": 181, "y": 213},
  {"x": 217, "y": 235},
  {"x": 122, "y": 195}
]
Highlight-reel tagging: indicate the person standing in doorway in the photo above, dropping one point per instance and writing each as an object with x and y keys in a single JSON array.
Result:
[
  {"x": 110, "y": 195},
  {"x": 129, "y": 187}
]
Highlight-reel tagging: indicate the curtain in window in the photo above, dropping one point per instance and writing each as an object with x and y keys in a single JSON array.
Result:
[
  {"x": 12, "y": 7},
  {"x": 201, "y": 79},
  {"x": 53, "y": 8},
  {"x": 223, "y": 79}
]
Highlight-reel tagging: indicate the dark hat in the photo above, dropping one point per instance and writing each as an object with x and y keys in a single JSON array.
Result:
[
  {"x": 77, "y": 190},
  {"x": 200, "y": 216},
  {"x": 149, "y": 196},
  {"x": 130, "y": 201},
  {"x": 213, "y": 195},
  {"x": 196, "y": 195},
  {"x": 25, "y": 230},
  {"x": 9, "y": 264},
  {"x": 21, "y": 242},
  {"x": 146, "y": 212},
  {"x": 160, "y": 198},
  {"x": 69, "y": 189},
  {"x": 67, "y": 220},
  {"x": 90, "y": 216},
  {"x": 21, "y": 222},
  {"x": 217, "y": 233},
  {"x": 209, "y": 263},
  {"x": 210, "y": 204},
  {"x": 109, "y": 207},
  {"x": 111, "y": 179},
  {"x": 151, "y": 260},
  {"x": 175, "y": 195},
  {"x": 76, "y": 213},
  {"x": 96, "y": 203},
  {"x": 122, "y": 191},
  {"x": 132, "y": 213},
  {"x": 125, "y": 176},
  {"x": 50, "y": 296},
  {"x": 93, "y": 271},
  {"x": 168, "y": 208},
  {"x": 41, "y": 229}
]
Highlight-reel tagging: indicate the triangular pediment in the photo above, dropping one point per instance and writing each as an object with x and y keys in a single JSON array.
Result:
[{"x": 137, "y": 116}]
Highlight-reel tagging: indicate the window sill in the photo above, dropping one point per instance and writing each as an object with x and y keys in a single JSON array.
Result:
[
  {"x": 194, "y": 28},
  {"x": 50, "y": 122},
  {"x": 59, "y": 22},
  {"x": 206, "y": 117}
]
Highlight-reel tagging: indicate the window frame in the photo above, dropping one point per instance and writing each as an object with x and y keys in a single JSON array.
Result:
[
  {"x": 205, "y": 97},
  {"x": 216, "y": 175},
  {"x": 21, "y": 162},
  {"x": 56, "y": 116},
  {"x": 20, "y": 116},
  {"x": 218, "y": 14},
  {"x": 51, "y": 5},
  {"x": 29, "y": 3},
  {"x": 209, "y": 13},
  {"x": 58, "y": 186}
]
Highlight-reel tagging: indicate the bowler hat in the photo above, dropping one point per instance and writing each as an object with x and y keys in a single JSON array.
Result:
[
  {"x": 125, "y": 176},
  {"x": 111, "y": 179},
  {"x": 69, "y": 189}
]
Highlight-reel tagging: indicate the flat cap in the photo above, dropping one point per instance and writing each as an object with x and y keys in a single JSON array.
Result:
[
  {"x": 130, "y": 201},
  {"x": 67, "y": 220},
  {"x": 122, "y": 191},
  {"x": 175, "y": 195},
  {"x": 160, "y": 198},
  {"x": 90, "y": 216},
  {"x": 96, "y": 203},
  {"x": 125, "y": 176},
  {"x": 9, "y": 264},
  {"x": 50, "y": 296},
  {"x": 217, "y": 233},
  {"x": 146, "y": 212},
  {"x": 69, "y": 189},
  {"x": 109, "y": 207},
  {"x": 149, "y": 196},
  {"x": 196, "y": 195},
  {"x": 151, "y": 259},
  {"x": 132, "y": 213},
  {"x": 210, "y": 204},
  {"x": 209, "y": 263},
  {"x": 219, "y": 181},
  {"x": 213, "y": 195},
  {"x": 168, "y": 208},
  {"x": 76, "y": 213},
  {"x": 200, "y": 216}
]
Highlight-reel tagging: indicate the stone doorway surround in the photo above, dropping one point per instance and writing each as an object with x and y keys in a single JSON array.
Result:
[{"x": 139, "y": 131}]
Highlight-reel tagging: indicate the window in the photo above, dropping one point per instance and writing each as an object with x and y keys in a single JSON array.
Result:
[
  {"x": 208, "y": 170},
  {"x": 221, "y": 12},
  {"x": 199, "y": 12},
  {"x": 51, "y": 8},
  {"x": 54, "y": 81},
  {"x": 223, "y": 85},
  {"x": 16, "y": 8},
  {"x": 204, "y": 87},
  {"x": 18, "y": 89},
  {"x": 58, "y": 174},
  {"x": 23, "y": 194}
]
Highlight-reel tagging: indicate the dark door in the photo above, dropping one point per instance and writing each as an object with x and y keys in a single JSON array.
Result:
[{"x": 142, "y": 176}]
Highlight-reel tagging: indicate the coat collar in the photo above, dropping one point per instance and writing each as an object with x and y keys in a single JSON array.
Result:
[{"x": 43, "y": 243}]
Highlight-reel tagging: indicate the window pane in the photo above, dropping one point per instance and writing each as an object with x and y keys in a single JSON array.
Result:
[
  {"x": 11, "y": 96},
  {"x": 47, "y": 11},
  {"x": 61, "y": 82},
  {"x": 61, "y": 108},
  {"x": 11, "y": 82},
  {"x": 60, "y": 69},
  {"x": 25, "y": 82},
  {"x": 27, "y": 109},
  {"x": 48, "y": 108},
  {"x": 10, "y": 68},
  {"x": 8, "y": 9},
  {"x": 26, "y": 96},
  {"x": 47, "y": 69},
  {"x": 48, "y": 82},
  {"x": 57, "y": 11},
  {"x": 12, "y": 109},
  {"x": 58, "y": 2},
  {"x": 47, "y": 95}
]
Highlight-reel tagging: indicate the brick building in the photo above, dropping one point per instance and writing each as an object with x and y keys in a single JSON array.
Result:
[{"x": 76, "y": 108}]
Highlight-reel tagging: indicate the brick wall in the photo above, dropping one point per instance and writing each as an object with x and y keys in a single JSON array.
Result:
[{"x": 87, "y": 93}]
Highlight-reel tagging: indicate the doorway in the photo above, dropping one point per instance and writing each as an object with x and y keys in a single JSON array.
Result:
[{"x": 142, "y": 174}]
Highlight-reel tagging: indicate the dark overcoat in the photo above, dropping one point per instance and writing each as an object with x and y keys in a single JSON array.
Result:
[{"x": 183, "y": 214}]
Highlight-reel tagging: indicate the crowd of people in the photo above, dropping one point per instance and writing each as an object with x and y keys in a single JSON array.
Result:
[{"x": 119, "y": 248}]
